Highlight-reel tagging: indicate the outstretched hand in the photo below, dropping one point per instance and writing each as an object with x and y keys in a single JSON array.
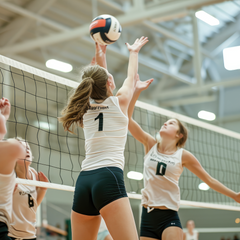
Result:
[
  {"x": 142, "y": 85},
  {"x": 100, "y": 55},
  {"x": 101, "y": 48},
  {"x": 93, "y": 62},
  {"x": 42, "y": 178},
  {"x": 138, "y": 44},
  {"x": 5, "y": 107}
]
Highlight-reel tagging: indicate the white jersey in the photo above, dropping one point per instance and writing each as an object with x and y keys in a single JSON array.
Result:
[
  {"x": 7, "y": 184},
  {"x": 105, "y": 130},
  {"x": 23, "y": 223},
  {"x": 192, "y": 237},
  {"x": 161, "y": 175}
]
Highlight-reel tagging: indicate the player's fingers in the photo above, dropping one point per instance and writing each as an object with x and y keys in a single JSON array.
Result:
[
  {"x": 127, "y": 44},
  {"x": 136, "y": 40},
  {"x": 144, "y": 42}
]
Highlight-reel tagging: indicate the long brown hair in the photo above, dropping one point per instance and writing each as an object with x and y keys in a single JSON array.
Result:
[
  {"x": 93, "y": 85},
  {"x": 184, "y": 131}
]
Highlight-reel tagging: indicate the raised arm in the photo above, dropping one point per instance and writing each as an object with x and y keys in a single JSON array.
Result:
[
  {"x": 191, "y": 163},
  {"x": 10, "y": 150},
  {"x": 125, "y": 93},
  {"x": 100, "y": 55},
  {"x": 138, "y": 133},
  {"x": 41, "y": 191}
]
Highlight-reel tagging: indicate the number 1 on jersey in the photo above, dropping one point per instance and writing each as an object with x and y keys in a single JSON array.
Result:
[{"x": 100, "y": 125}]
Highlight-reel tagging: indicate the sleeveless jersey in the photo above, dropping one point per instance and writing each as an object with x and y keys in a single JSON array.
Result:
[
  {"x": 161, "y": 175},
  {"x": 23, "y": 223},
  {"x": 105, "y": 129},
  {"x": 7, "y": 184},
  {"x": 192, "y": 237}
]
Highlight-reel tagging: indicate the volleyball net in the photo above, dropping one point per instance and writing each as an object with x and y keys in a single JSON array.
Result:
[{"x": 37, "y": 98}]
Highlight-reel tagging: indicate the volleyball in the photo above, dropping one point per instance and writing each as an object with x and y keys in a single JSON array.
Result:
[{"x": 105, "y": 29}]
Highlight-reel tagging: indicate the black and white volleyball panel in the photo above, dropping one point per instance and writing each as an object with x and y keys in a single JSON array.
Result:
[{"x": 105, "y": 29}]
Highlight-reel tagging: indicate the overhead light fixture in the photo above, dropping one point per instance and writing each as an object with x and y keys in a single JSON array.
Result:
[
  {"x": 58, "y": 65},
  {"x": 206, "y": 115},
  {"x": 215, "y": 88},
  {"x": 203, "y": 186},
  {"x": 207, "y": 18},
  {"x": 135, "y": 175},
  {"x": 231, "y": 58}
]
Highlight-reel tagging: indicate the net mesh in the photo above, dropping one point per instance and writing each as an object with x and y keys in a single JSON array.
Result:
[{"x": 37, "y": 99}]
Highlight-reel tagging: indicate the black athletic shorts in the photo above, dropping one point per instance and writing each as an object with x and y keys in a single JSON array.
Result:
[
  {"x": 4, "y": 231},
  {"x": 156, "y": 221},
  {"x": 97, "y": 188}
]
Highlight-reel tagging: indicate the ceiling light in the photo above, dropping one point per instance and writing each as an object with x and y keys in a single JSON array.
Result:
[
  {"x": 135, "y": 175},
  {"x": 237, "y": 220},
  {"x": 58, "y": 65},
  {"x": 206, "y": 115},
  {"x": 207, "y": 18},
  {"x": 203, "y": 186},
  {"x": 215, "y": 88},
  {"x": 231, "y": 58}
]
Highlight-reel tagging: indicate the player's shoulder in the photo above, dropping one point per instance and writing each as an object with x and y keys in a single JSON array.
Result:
[{"x": 13, "y": 148}]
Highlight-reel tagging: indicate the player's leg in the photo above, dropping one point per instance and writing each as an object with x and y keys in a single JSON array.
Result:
[
  {"x": 84, "y": 227},
  {"x": 110, "y": 198},
  {"x": 85, "y": 218},
  {"x": 173, "y": 227},
  {"x": 108, "y": 237},
  {"x": 170, "y": 233},
  {"x": 119, "y": 219}
]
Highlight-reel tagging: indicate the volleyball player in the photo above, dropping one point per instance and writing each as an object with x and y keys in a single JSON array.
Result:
[
  {"x": 10, "y": 151},
  {"x": 26, "y": 198},
  {"x": 163, "y": 165},
  {"x": 192, "y": 233},
  {"x": 100, "y": 186}
]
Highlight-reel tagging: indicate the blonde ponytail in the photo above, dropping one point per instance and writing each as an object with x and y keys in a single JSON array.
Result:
[{"x": 93, "y": 84}]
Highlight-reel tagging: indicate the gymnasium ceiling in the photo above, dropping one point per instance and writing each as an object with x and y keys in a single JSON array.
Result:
[{"x": 184, "y": 55}]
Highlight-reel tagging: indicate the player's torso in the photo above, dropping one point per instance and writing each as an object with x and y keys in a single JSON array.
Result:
[
  {"x": 24, "y": 211},
  {"x": 167, "y": 166},
  {"x": 105, "y": 130},
  {"x": 161, "y": 176}
]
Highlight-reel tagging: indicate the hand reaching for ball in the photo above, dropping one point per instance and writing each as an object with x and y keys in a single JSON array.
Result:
[
  {"x": 137, "y": 45},
  {"x": 140, "y": 85}
]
